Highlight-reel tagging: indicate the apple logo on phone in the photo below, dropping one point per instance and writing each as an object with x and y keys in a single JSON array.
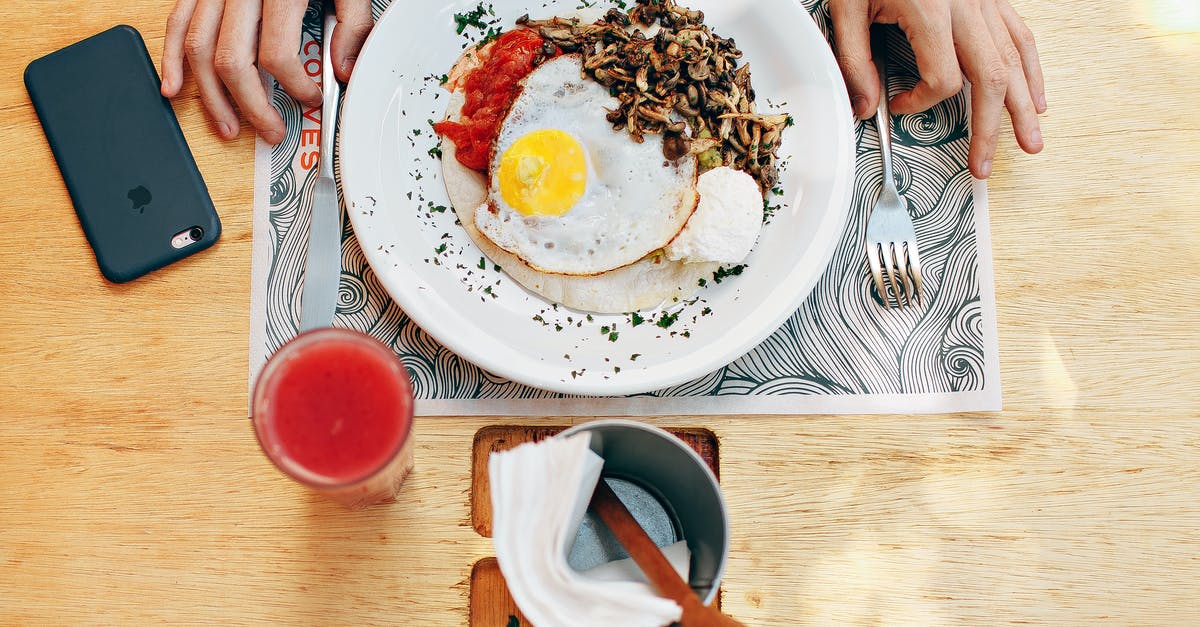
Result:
[{"x": 140, "y": 197}]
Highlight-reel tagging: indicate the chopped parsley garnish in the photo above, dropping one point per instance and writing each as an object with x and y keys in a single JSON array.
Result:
[
  {"x": 482, "y": 264},
  {"x": 634, "y": 356},
  {"x": 491, "y": 35},
  {"x": 440, "y": 249},
  {"x": 667, "y": 319},
  {"x": 769, "y": 210},
  {"x": 723, "y": 272},
  {"x": 473, "y": 18},
  {"x": 612, "y": 337},
  {"x": 636, "y": 319}
]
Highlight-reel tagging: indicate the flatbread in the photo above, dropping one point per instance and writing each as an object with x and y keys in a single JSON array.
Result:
[{"x": 644, "y": 284}]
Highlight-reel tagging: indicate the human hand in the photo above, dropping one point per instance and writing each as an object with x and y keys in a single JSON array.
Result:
[
  {"x": 222, "y": 41},
  {"x": 984, "y": 39}
]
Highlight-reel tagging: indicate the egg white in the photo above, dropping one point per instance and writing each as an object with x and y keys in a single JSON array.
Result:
[{"x": 634, "y": 201}]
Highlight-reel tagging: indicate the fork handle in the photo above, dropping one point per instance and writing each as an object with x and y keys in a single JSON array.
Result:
[{"x": 883, "y": 119}]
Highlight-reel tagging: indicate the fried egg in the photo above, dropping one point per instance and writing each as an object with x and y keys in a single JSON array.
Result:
[{"x": 567, "y": 194}]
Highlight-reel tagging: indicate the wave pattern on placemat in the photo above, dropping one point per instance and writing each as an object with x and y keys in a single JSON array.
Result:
[{"x": 841, "y": 341}]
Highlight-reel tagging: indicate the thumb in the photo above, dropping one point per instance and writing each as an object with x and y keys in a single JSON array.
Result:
[
  {"x": 354, "y": 24},
  {"x": 852, "y": 40}
]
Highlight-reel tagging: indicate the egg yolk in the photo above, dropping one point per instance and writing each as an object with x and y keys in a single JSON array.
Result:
[{"x": 543, "y": 173}]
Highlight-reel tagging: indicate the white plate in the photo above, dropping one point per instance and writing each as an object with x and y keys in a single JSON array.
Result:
[{"x": 390, "y": 180}]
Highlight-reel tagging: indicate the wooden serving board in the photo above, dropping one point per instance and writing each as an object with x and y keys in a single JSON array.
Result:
[{"x": 491, "y": 605}]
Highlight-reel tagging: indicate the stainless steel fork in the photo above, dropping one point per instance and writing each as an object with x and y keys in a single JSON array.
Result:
[{"x": 891, "y": 241}]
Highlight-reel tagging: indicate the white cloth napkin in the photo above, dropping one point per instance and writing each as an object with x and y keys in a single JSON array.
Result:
[{"x": 540, "y": 492}]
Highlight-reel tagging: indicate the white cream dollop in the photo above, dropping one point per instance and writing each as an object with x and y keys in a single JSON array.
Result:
[{"x": 726, "y": 222}]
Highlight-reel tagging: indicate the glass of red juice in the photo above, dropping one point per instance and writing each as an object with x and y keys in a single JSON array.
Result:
[{"x": 333, "y": 410}]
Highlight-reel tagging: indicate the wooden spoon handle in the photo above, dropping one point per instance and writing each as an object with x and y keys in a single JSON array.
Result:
[
  {"x": 651, "y": 560},
  {"x": 638, "y": 543}
]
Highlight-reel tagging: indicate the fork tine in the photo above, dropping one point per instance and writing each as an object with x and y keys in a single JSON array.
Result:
[
  {"x": 873, "y": 259},
  {"x": 914, "y": 263},
  {"x": 901, "y": 267},
  {"x": 889, "y": 264}
]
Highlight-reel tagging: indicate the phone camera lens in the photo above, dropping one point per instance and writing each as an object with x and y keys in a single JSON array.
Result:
[{"x": 196, "y": 233}]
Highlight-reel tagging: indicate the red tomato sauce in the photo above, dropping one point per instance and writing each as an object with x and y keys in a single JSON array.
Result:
[{"x": 490, "y": 90}]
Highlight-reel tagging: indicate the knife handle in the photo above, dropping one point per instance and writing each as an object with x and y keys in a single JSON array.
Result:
[{"x": 329, "y": 93}]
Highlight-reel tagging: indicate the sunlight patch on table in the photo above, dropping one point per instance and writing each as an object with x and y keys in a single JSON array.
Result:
[
  {"x": 1060, "y": 388},
  {"x": 1176, "y": 21},
  {"x": 886, "y": 571}
]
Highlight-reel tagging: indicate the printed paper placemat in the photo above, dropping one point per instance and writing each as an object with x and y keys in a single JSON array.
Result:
[{"x": 841, "y": 352}]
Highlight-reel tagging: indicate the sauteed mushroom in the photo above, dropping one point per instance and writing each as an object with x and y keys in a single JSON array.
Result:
[{"x": 684, "y": 83}]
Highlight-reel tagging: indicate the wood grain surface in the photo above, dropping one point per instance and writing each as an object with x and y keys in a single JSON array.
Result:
[
  {"x": 491, "y": 603},
  {"x": 132, "y": 490}
]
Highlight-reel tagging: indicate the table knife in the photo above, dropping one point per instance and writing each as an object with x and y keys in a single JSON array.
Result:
[{"x": 323, "y": 266}]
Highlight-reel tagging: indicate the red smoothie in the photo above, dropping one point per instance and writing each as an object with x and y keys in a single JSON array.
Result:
[{"x": 333, "y": 409}]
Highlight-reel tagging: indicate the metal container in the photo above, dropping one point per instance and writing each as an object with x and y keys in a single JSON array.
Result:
[{"x": 669, "y": 490}]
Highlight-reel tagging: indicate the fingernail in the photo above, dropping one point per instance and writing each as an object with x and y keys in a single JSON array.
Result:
[
  {"x": 1042, "y": 101},
  {"x": 1036, "y": 137},
  {"x": 226, "y": 130},
  {"x": 985, "y": 169},
  {"x": 859, "y": 104}
]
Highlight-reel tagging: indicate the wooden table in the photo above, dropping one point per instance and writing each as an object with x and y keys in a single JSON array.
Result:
[{"x": 132, "y": 490}]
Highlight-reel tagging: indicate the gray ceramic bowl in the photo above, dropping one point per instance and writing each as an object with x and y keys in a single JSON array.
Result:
[{"x": 668, "y": 488}]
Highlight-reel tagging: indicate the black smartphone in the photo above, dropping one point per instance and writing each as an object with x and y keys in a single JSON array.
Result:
[{"x": 118, "y": 145}]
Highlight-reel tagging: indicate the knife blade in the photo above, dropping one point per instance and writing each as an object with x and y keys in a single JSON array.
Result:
[{"x": 323, "y": 264}]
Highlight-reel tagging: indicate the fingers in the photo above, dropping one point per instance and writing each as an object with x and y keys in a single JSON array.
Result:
[
  {"x": 1017, "y": 97},
  {"x": 989, "y": 80},
  {"x": 200, "y": 46},
  {"x": 234, "y": 63},
  {"x": 1022, "y": 38},
  {"x": 354, "y": 24},
  {"x": 172, "y": 60},
  {"x": 932, "y": 40},
  {"x": 852, "y": 36},
  {"x": 279, "y": 49}
]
